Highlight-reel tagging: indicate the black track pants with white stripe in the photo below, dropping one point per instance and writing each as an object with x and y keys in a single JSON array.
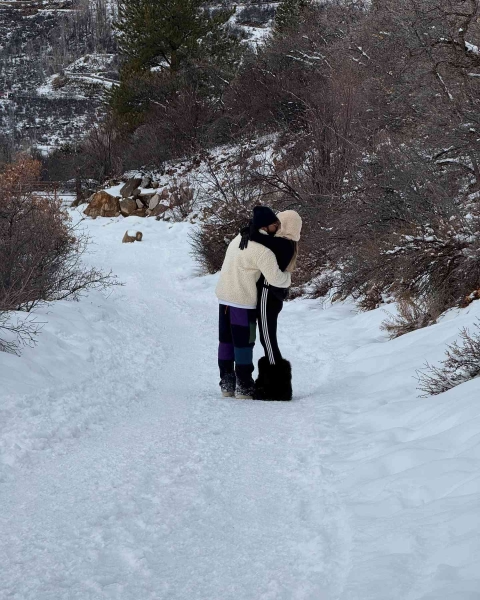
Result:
[{"x": 268, "y": 309}]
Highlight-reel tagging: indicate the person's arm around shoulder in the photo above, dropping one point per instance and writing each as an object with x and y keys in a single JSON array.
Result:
[{"x": 267, "y": 263}]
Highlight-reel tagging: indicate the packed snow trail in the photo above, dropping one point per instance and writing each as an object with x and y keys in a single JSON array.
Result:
[{"x": 124, "y": 474}]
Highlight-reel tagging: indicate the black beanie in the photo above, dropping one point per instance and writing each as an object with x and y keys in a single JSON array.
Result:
[{"x": 263, "y": 217}]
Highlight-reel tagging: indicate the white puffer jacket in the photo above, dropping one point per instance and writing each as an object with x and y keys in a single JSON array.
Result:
[{"x": 241, "y": 270}]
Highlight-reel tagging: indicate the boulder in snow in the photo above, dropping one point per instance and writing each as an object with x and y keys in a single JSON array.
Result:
[
  {"x": 130, "y": 187},
  {"x": 102, "y": 205},
  {"x": 146, "y": 181},
  {"x": 128, "y": 207},
  {"x": 154, "y": 201},
  {"x": 159, "y": 210}
]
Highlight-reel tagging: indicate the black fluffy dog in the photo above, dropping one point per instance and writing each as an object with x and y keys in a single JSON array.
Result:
[{"x": 274, "y": 382}]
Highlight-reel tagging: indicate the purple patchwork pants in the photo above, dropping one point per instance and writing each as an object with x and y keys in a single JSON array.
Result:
[{"x": 237, "y": 331}]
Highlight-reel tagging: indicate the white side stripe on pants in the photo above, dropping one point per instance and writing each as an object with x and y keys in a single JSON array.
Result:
[{"x": 263, "y": 316}]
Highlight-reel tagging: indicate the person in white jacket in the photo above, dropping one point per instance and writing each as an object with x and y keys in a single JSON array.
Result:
[{"x": 237, "y": 294}]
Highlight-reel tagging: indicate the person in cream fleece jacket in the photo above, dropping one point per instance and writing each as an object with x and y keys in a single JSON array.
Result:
[{"x": 237, "y": 294}]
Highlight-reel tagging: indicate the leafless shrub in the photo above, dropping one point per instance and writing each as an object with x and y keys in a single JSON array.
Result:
[
  {"x": 322, "y": 286},
  {"x": 371, "y": 299},
  {"x": 462, "y": 363},
  {"x": 275, "y": 86},
  {"x": 40, "y": 252},
  {"x": 174, "y": 127},
  {"x": 411, "y": 316},
  {"x": 183, "y": 199},
  {"x": 102, "y": 151},
  {"x": 383, "y": 165},
  {"x": 18, "y": 332},
  {"x": 403, "y": 231}
]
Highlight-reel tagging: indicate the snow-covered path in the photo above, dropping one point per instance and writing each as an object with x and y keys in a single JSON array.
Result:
[{"x": 123, "y": 474}]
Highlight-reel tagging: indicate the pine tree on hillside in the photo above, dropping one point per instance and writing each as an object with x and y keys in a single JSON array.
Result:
[
  {"x": 169, "y": 46},
  {"x": 289, "y": 15},
  {"x": 153, "y": 33}
]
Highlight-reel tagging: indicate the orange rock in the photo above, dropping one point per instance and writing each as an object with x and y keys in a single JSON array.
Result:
[{"x": 102, "y": 205}]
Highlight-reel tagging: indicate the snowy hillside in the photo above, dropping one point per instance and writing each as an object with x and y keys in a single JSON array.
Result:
[
  {"x": 36, "y": 106},
  {"x": 124, "y": 474},
  {"x": 57, "y": 57}
]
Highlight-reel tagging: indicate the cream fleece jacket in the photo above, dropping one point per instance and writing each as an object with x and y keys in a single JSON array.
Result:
[{"x": 241, "y": 270}]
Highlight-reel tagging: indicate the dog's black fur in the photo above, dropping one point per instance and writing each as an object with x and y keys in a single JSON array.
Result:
[{"x": 274, "y": 382}]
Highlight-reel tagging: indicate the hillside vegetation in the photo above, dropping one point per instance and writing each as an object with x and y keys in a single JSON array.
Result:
[{"x": 372, "y": 112}]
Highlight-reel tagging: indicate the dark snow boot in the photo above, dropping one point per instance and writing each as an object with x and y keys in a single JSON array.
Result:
[
  {"x": 244, "y": 392},
  {"x": 227, "y": 385},
  {"x": 274, "y": 382},
  {"x": 260, "y": 382}
]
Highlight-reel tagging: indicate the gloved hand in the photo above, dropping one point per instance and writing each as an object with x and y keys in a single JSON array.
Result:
[
  {"x": 245, "y": 233},
  {"x": 254, "y": 233}
]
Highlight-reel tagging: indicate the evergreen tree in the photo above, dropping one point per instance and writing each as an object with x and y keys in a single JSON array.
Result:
[
  {"x": 169, "y": 33},
  {"x": 289, "y": 15},
  {"x": 168, "y": 46}
]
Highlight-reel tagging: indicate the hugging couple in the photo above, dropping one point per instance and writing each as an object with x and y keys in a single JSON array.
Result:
[{"x": 253, "y": 285}]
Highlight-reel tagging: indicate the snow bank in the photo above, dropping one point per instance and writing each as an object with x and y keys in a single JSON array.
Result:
[{"x": 410, "y": 470}]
